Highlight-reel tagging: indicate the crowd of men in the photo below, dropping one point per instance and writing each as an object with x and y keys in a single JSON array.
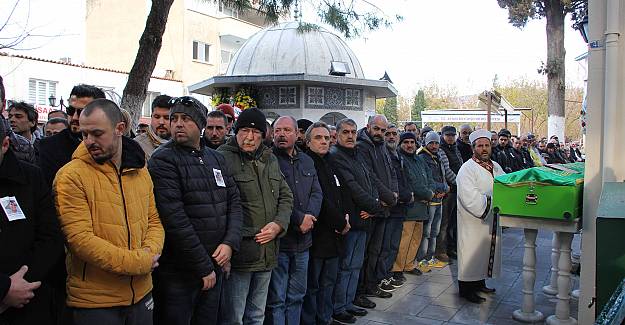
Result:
[{"x": 201, "y": 219}]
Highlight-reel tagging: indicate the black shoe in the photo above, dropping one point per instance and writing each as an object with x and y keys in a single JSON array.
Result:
[
  {"x": 487, "y": 290},
  {"x": 386, "y": 286},
  {"x": 364, "y": 302},
  {"x": 473, "y": 297},
  {"x": 377, "y": 292},
  {"x": 397, "y": 283},
  {"x": 415, "y": 271},
  {"x": 358, "y": 312},
  {"x": 452, "y": 254},
  {"x": 399, "y": 276},
  {"x": 344, "y": 318}
]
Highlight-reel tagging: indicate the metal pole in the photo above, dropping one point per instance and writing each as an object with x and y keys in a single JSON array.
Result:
[
  {"x": 490, "y": 102},
  {"x": 505, "y": 118}
]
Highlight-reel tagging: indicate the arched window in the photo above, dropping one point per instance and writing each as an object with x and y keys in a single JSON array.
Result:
[{"x": 332, "y": 117}]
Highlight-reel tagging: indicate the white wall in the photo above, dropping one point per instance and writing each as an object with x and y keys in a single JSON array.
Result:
[{"x": 17, "y": 71}]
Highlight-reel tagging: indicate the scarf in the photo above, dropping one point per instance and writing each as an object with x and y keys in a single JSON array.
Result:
[{"x": 488, "y": 165}]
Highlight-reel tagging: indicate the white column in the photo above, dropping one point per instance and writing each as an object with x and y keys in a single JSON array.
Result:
[
  {"x": 527, "y": 313},
  {"x": 552, "y": 287},
  {"x": 563, "y": 314}
]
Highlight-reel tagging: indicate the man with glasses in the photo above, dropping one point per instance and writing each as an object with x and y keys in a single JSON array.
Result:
[
  {"x": 377, "y": 159},
  {"x": 56, "y": 151},
  {"x": 216, "y": 129},
  {"x": 158, "y": 132},
  {"x": 266, "y": 203},
  {"x": 198, "y": 203}
]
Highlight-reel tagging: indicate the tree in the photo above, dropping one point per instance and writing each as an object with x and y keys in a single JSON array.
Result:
[
  {"x": 418, "y": 105},
  {"x": 13, "y": 34},
  {"x": 390, "y": 109},
  {"x": 347, "y": 18},
  {"x": 554, "y": 11}
]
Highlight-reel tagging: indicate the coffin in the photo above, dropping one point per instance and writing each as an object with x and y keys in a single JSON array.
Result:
[{"x": 551, "y": 192}]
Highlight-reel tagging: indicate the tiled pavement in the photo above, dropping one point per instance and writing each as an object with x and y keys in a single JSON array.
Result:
[{"x": 433, "y": 298}]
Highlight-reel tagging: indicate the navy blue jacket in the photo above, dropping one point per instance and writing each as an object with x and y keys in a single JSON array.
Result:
[
  {"x": 404, "y": 179},
  {"x": 198, "y": 215},
  {"x": 300, "y": 173}
]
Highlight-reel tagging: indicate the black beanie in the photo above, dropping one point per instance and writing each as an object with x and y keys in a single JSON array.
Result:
[
  {"x": 304, "y": 124},
  {"x": 192, "y": 108},
  {"x": 407, "y": 135},
  {"x": 251, "y": 118}
]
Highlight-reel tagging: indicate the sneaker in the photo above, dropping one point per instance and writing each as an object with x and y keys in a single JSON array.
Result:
[
  {"x": 386, "y": 286},
  {"x": 423, "y": 267},
  {"x": 443, "y": 257},
  {"x": 363, "y": 302},
  {"x": 397, "y": 283},
  {"x": 344, "y": 318},
  {"x": 377, "y": 292},
  {"x": 399, "y": 276},
  {"x": 436, "y": 263}
]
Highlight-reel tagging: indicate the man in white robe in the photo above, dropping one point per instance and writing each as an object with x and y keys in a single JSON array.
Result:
[{"x": 479, "y": 232}]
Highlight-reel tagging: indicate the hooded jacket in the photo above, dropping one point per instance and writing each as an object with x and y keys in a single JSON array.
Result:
[
  {"x": 198, "y": 213},
  {"x": 149, "y": 142},
  {"x": 439, "y": 184},
  {"x": 300, "y": 173},
  {"x": 112, "y": 228},
  {"x": 378, "y": 160},
  {"x": 265, "y": 197}
]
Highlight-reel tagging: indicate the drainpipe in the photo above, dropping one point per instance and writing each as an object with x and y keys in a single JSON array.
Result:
[{"x": 611, "y": 124}]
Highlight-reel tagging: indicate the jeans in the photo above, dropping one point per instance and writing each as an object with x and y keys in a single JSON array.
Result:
[
  {"x": 322, "y": 273},
  {"x": 430, "y": 231},
  {"x": 137, "y": 314},
  {"x": 287, "y": 289},
  {"x": 447, "y": 236},
  {"x": 244, "y": 298},
  {"x": 390, "y": 247},
  {"x": 349, "y": 270},
  {"x": 370, "y": 274},
  {"x": 180, "y": 300}
]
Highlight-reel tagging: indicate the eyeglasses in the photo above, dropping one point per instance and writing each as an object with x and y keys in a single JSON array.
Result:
[
  {"x": 71, "y": 110},
  {"x": 390, "y": 133}
]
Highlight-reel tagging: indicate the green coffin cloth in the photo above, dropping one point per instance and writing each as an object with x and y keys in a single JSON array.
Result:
[
  {"x": 552, "y": 192},
  {"x": 569, "y": 175}
]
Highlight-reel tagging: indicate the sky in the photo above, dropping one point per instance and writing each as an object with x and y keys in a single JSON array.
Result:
[{"x": 460, "y": 44}]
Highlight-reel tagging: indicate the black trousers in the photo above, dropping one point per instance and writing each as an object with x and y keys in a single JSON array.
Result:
[
  {"x": 179, "y": 300},
  {"x": 467, "y": 287},
  {"x": 368, "y": 273},
  {"x": 446, "y": 240}
]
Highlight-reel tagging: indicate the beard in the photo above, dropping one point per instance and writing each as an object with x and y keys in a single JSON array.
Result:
[
  {"x": 391, "y": 145},
  {"x": 104, "y": 155}
]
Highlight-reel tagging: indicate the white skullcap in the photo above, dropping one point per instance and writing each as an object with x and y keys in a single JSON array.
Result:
[{"x": 481, "y": 133}]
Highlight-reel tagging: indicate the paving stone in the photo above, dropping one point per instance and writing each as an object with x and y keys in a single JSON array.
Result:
[
  {"x": 438, "y": 312},
  {"x": 449, "y": 300},
  {"x": 410, "y": 305},
  {"x": 474, "y": 313},
  {"x": 430, "y": 289}
]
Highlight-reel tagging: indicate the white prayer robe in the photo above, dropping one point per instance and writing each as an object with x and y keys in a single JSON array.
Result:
[{"x": 475, "y": 222}]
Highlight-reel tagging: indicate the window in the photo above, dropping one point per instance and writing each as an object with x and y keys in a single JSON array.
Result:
[
  {"x": 40, "y": 90},
  {"x": 315, "y": 95},
  {"x": 287, "y": 96},
  {"x": 201, "y": 51},
  {"x": 228, "y": 11},
  {"x": 352, "y": 97},
  {"x": 146, "y": 111}
]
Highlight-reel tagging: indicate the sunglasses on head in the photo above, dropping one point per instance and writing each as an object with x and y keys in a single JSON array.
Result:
[
  {"x": 70, "y": 110},
  {"x": 184, "y": 100}
]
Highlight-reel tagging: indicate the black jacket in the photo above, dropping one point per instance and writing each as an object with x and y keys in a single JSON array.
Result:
[
  {"x": 377, "y": 159},
  {"x": 197, "y": 213},
  {"x": 35, "y": 241},
  {"x": 526, "y": 159},
  {"x": 507, "y": 158},
  {"x": 55, "y": 152},
  {"x": 455, "y": 160},
  {"x": 359, "y": 187},
  {"x": 466, "y": 151},
  {"x": 299, "y": 172},
  {"x": 404, "y": 179},
  {"x": 326, "y": 242}
]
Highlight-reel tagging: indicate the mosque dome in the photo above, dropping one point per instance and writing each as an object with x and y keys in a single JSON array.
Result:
[{"x": 283, "y": 49}]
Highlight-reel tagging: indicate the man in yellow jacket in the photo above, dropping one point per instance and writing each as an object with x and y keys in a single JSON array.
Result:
[{"x": 106, "y": 208}]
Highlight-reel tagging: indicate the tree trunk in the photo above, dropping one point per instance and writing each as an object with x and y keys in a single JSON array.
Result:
[
  {"x": 145, "y": 61},
  {"x": 554, "y": 12}
]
